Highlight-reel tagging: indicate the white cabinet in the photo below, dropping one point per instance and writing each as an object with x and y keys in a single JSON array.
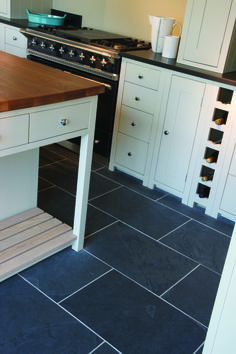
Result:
[
  {"x": 170, "y": 166},
  {"x": 12, "y": 41},
  {"x": 136, "y": 118},
  {"x": 209, "y": 35},
  {"x": 16, "y": 8}
]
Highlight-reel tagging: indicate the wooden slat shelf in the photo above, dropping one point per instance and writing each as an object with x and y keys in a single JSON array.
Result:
[{"x": 29, "y": 237}]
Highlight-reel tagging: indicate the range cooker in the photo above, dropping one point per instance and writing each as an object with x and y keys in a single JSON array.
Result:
[{"x": 89, "y": 53}]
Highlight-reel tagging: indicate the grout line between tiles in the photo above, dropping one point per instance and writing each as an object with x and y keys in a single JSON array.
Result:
[
  {"x": 62, "y": 308},
  {"x": 101, "y": 195},
  {"x": 180, "y": 280},
  {"x": 105, "y": 342}
]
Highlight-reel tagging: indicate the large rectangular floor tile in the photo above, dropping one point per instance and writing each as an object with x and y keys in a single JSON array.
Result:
[
  {"x": 201, "y": 243},
  {"x": 32, "y": 323},
  {"x": 132, "y": 319},
  {"x": 144, "y": 260},
  {"x": 195, "y": 294},
  {"x": 64, "y": 273},
  {"x": 140, "y": 212}
]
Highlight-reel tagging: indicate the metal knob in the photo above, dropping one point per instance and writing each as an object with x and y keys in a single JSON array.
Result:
[
  {"x": 103, "y": 62},
  {"x": 42, "y": 45},
  {"x": 63, "y": 122},
  {"x": 137, "y": 98},
  {"x": 33, "y": 42},
  {"x": 92, "y": 59},
  {"x": 166, "y": 132},
  {"x": 14, "y": 38},
  {"x": 52, "y": 48},
  {"x": 71, "y": 53},
  {"x": 62, "y": 50},
  {"x": 82, "y": 56},
  {"x": 133, "y": 124},
  {"x": 140, "y": 76},
  {"x": 129, "y": 153}
]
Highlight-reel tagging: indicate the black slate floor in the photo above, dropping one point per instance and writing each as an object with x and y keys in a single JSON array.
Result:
[{"x": 145, "y": 281}]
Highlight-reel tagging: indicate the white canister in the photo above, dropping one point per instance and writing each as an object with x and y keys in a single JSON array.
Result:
[{"x": 170, "y": 46}]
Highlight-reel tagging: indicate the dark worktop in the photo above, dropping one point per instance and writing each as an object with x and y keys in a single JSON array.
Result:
[{"x": 156, "y": 59}]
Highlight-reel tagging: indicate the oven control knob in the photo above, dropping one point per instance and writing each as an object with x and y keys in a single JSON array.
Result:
[
  {"x": 92, "y": 59},
  {"x": 62, "y": 50},
  {"x": 42, "y": 45},
  {"x": 103, "y": 62},
  {"x": 33, "y": 42},
  {"x": 82, "y": 56},
  {"x": 52, "y": 47},
  {"x": 71, "y": 53}
]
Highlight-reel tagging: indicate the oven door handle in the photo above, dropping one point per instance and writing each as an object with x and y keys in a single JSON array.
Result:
[{"x": 109, "y": 87}]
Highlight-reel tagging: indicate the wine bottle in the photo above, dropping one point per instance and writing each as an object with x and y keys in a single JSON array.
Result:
[
  {"x": 219, "y": 121},
  {"x": 206, "y": 178},
  {"x": 204, "y": 193},
  {"x": 212, "y": 158}
]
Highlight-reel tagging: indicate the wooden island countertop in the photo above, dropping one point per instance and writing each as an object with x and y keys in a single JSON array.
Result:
[{"x": 25, "y": 83}]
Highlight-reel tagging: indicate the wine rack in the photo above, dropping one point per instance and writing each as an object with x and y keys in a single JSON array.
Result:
[{"x": 214, "y": 138}]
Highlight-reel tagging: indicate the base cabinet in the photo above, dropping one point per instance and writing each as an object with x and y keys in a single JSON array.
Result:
[
  {"x": 178, "y": 134},
  {"x": 12, "y": 41}
]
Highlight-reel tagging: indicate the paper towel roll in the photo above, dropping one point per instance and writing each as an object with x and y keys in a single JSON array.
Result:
[{"x": 170, "y": 46}]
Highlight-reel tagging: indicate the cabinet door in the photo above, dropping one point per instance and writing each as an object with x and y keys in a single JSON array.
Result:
[
  {"x": 183, "y": 108},
  {"x": 206, "y": 31},
  {"x": 4, "y": 8}
]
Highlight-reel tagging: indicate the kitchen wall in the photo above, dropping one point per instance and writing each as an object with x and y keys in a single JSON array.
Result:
[{"x": 128, "y": 17}]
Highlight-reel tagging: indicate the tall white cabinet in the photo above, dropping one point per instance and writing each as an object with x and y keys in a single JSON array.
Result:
[{"x": 208, "y": 39}]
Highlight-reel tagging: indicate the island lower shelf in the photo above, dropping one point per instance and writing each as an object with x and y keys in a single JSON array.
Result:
[{"x": 29, "y": 237}]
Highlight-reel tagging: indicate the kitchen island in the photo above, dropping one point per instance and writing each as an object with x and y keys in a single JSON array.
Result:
[{"x": 39, "y": 106}]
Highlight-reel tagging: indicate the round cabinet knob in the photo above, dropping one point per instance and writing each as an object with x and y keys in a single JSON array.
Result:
[
  {"x": 137, "y": 98},
  {"x": 14, "y": 38},
  {"x": 130, "y": 154},
  {"x": 63, "y": 122},
  {"x": 133, "y": 124},
  {"x": 166, "y": 132},
  {"x": 140, "y": 76}
]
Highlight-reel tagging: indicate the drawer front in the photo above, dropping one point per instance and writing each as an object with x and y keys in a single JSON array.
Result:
[
  {"x": 139, "y": 98},
  {"x": 131, "y": 153},
  {"x": 15, "y": 38},
  {"x": 135, "y": 123},
  {"x": 140, "y": 75},
  {"x": 13, "y": 131},
  {"x": 53, "y": 122}
]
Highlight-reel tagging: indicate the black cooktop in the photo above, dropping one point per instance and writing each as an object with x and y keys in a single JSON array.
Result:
[{"x": 88, "y": 35}]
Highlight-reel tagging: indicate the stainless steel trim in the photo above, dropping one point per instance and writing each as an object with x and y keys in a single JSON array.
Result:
[
  {"x": 104, "y": 52},
  {"x": 75, "y": 65}
]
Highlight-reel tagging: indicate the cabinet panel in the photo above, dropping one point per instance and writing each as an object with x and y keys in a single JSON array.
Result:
[
  {"x": 183, "y": 108},
  {"x": 139, "y": 97},
  {"x": 228, "y": 202},
  {"x": 49, "y": 123},
  {"x": 135, "y": 123},
  {"x": 131, "y": 153},
  {"x": 206, "y": 31},
  {"x": 13, "y": 131},
  {"x": 15, "y": 38},
  {"x": 140, "y": 75},
  {"x": 232, "y": 170}
]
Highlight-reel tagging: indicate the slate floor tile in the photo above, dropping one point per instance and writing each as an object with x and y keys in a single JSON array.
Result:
[
  {"x": 64, "y": 273},
  {"x": 221, "y": 224},
  {"x": 144, "y": 260},
  {"x": 47, "y": 156},
  {"x": 195, "y": 294},
  {"x": 140, "y": 212},
  {"x": 61, "y": 205},
  {"x": 131, "y": 182},
  {"x": 132, "y": 319},
  {"x": 32, "y": 323},
  {"x": 201, "y": 243}
]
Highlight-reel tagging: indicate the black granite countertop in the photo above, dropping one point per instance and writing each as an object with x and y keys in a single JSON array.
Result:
[
  {"x": 20, "y": 23},
  {"x": 156, "y": 59}
]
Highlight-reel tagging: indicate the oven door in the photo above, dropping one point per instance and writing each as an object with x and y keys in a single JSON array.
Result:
[{"x": 105, "y": 109}]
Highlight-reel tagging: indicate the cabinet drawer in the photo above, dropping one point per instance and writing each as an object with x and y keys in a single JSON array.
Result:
[
  {"x": 54, "y": 122},
  {"x": 131, "y": 153},
  {"x": 15, "y": 38},
  {"x": 13, "y": 131},
  {"x": 139, "y": 97},
  {"x": 140, "y": 75},
  {"x": 135, "y": 123}
]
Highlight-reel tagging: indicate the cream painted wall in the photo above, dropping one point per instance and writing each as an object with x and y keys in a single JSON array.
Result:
[{"x": 128, "y": 17}]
